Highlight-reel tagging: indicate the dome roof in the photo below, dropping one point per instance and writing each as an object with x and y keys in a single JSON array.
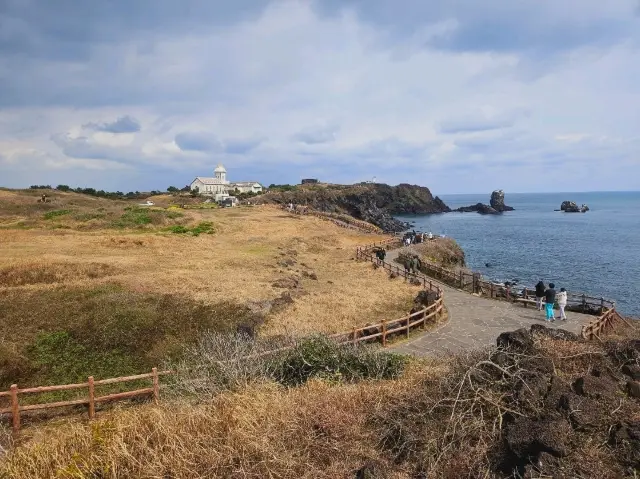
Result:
[{"x": 220, "y": 169}]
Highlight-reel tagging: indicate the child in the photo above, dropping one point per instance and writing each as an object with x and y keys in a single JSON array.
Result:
[
  {"x": 550, "y": 299},
  {"x": 562, "y": 303}
]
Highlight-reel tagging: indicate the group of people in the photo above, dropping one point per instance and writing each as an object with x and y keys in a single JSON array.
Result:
[
  {"x": 413, "y": 265},
  {"x": 416, "y": 238},
  {"x": 550, "y": 297}
]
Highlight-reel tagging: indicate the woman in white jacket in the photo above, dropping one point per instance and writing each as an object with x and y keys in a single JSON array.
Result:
[{"x": 561, "y": 298}]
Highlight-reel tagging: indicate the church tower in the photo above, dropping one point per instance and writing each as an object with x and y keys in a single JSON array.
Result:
[{"x": 220, "y": 173}]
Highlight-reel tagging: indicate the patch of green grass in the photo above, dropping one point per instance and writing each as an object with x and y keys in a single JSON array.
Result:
[
  {"x": 133, "y": 217},
  {"x": 55, "y": 213},
  {"x": 204, "y": 227},
  {"x": 69, "y": 333},
  {"x": 89, "y": 216}
]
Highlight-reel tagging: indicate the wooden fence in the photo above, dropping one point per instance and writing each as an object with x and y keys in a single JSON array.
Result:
[
  {"x": 603, "y": 309},
  {"x": 602, "y": 324},
  {"x": 343, "y": 221},
  {"x": 472, "y": 282},
  {"x": 380, "y": 331},
  {"x": 90, "y": 400}
]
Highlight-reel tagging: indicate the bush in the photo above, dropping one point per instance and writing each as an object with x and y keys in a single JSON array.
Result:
[
  {"x": 322, "y": 358},
  {"x": 55, "y": 213}
]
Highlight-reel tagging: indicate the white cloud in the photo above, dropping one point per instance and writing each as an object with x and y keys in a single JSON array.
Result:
[{"x": 297, "y": 86}]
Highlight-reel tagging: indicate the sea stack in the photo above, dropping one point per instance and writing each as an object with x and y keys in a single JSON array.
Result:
[
  {"x": 497, "y": 202},
  {"x": 572, "y": 207},
  {"x": 496, "y": 207}
]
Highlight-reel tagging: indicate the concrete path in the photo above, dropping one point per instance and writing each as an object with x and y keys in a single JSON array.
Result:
[{"x": 475, "y": 322}]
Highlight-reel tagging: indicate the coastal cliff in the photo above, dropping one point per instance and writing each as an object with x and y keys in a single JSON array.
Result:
[{"x": 374, "y": 203}]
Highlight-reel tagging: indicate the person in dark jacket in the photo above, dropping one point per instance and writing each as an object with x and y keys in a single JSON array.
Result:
[
  {"x": 549, "y": 300},
  {"x": 540, "y": 289}
]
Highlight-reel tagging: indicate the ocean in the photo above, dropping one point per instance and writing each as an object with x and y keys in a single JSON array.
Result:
[{"x": 597, "y": 252}]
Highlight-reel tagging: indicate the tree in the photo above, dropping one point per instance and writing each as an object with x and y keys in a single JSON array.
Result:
[
  {"x": 195, "y": 192},
  {"x": 63, "y": 188},
  {"x": 172, "y": 189}
]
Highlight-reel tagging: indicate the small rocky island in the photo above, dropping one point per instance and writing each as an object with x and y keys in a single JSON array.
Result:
[
  {"x": 496, "y": 205},
  {"x": 572, "y": 207}
]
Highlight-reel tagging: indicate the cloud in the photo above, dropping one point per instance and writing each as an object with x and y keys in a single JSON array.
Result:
[
  {"x": 242, "y": 146},
  {"x": 197, "y": 141},
  {"x": 450, "y": 93},
  {"x": 316, "y": 135},
  {"x": 125, "y": 124}
]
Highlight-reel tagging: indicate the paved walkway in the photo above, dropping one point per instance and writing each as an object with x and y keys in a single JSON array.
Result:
[{"x": 475, "y": 322}]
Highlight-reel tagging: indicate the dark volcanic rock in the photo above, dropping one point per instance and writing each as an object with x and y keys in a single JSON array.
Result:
[
  {"x": 495, "y": 207},
  {"x": 374, "y": 203},
  {"x": 562, "y": 334},
  {"x": 633, "y": 389},
  {"x": 478, "y": 208},
  {"x": 572, "y": 207},
  {"x": 633, "y": 371},
  {"x": 527, "y": 438},
  {"x": 497, "y": 202},
  {"x": 519, "y": 339}
]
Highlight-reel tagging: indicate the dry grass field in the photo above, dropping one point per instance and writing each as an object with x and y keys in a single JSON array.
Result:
[{"x": 107, "y": 272}]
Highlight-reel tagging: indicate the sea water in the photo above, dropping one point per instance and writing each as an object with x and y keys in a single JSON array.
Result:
[{"x": 597, "y": 252}]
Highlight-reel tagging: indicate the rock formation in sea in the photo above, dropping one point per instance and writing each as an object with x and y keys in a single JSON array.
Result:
[
  {"x": 497, "y": 202},
  {"x": 572, "y": 207},
  {"x": 495, "y": 207}
]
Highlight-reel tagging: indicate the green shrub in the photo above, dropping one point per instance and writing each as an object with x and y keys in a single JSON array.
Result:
[
  {"x": 172, "y": 215},
  {"x": 204, "y": 227},
  {"x": 322, "y": 358},
  {"x": 55, "y": 213},
  {"x": 179, "y": 229}
]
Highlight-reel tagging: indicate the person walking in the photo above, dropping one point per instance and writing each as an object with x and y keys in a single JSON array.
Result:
[
  {"x": 540, "y": 289},
  {"x": 562, "y": 303},
  {"x": 413, "y": 264},
  {"x": 550, "y": 299}
]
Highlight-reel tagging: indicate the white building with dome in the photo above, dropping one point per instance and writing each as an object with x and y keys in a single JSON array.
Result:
[{"x": 219, "y": 187}]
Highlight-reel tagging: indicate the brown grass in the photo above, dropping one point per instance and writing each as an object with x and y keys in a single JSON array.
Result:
[
  {"x": 445, "y": 418},
  {"x": 315, "y": 431},
  {"x": 238, "y": 263},
  {"x": 443, "y": 251}
]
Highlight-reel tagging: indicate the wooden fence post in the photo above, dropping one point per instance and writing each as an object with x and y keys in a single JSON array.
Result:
[
  {"x": 491, "y": 291},
  {"x": 461, "y": 280},
  {"x": 156, "y": 385},
  {"x": 384, "y": 333},
  {"x": 92, "y": 405},
  {"x": 15, "y": 408},
  {"x": 355, "y": 336},
  {"x": 584, "y": 303},
  {"x": 601, "y": 304},
  {"x": 408, "y": 322}
]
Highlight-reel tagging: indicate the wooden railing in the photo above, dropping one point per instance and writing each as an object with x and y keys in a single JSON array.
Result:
[
  {"x": 603, "y": 309},
  {"x": 602, "y": 324},
  {"x": 472, "y": 282},
  {"x": 90, "y": 400},
  {"x": 343, "y": 221},
  {"x": 381, "y": 331}
]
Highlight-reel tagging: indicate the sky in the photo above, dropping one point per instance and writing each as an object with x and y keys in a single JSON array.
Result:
[{"x": 461, "y": 96}]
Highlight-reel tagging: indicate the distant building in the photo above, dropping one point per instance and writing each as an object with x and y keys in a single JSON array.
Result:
[
  {"x": 309, "y": 181},
  {"x": 246, "y": 187},
  {"x": 219, "y": 187}
]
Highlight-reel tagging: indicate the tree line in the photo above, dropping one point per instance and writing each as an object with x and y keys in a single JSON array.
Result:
[{"x": 135, "y": 195}]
